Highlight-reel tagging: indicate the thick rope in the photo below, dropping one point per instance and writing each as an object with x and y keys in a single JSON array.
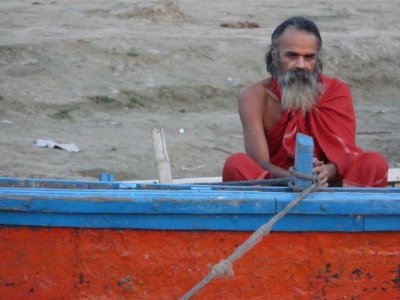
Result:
[
  {"x": 294, "y": 173},
  {"x": 224, "y": 267}
]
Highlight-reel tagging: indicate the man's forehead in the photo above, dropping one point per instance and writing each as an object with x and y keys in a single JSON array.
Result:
[{"x": 295, "y": 38}]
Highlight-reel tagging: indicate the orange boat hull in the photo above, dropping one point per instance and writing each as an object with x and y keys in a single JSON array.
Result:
[{"x": 69, "y": 263}]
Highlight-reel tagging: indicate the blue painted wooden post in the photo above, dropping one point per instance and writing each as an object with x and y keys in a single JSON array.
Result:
[
  {"x": 303, "y": 162},
  {"x": 106, "y": 177}
]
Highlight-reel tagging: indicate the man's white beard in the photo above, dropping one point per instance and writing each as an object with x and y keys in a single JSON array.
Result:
[{"x": 300, "y": 89}]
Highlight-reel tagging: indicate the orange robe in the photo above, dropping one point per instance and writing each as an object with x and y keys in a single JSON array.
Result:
[{"x": 332, "y": 125}]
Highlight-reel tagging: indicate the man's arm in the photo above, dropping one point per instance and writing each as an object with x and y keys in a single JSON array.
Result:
[{"x": 259, "y": 110}]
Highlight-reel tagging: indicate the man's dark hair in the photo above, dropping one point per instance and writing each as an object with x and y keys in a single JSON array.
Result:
[{"x": 299, "y": 23}]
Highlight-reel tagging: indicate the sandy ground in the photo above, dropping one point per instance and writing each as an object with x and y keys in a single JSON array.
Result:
[{"x": 101, "y": 74}]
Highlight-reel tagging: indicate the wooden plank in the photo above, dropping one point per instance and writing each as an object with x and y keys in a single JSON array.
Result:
[
  {"x": 394, "y": 175},
  {"x": 56, "y": 183},
  {"x": 231, "y": 222},
  {"x": 382, "y": 223},
  {"x": 303, "y": 159},
  {"x": 346, "y": 202},
  {"x": 197, "y": 207},
  {"x": 216, "y": 179},
  {"x": 161, "y": 156},
  {"x": 198, "y": 200}
]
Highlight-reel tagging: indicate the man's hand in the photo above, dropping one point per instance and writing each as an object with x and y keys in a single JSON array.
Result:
[{"x": 326, "y": 172}]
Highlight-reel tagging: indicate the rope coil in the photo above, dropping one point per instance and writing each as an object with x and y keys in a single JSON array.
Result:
[{"x": 224, "y": 267}]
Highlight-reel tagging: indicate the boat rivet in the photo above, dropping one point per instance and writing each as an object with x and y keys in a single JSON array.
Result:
[
  {"x": 156, "y": 207},
  {"x": 235, "y": 219},
  {"x": 324, "y": 207}
]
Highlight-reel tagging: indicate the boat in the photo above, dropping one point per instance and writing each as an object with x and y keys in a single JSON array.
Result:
[{"x": 73, "y": 239}]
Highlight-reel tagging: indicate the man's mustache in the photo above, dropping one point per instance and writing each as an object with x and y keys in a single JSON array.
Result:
[{"x": 299, "y": 75}]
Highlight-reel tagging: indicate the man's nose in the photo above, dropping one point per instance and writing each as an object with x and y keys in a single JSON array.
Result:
[{"x": 300, "y": 63}]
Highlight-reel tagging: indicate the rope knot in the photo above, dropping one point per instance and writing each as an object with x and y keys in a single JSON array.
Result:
[
  {"x": 314, "y": 178},
  {"x": 223, "y": 268}
]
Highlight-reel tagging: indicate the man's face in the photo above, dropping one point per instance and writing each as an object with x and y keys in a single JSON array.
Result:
[
  {"x": 297, "y": 50},
  {"x": 295, "y": 61}
]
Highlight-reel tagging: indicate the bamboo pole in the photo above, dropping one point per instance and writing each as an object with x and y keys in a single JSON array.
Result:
[{"x": 161, "y": 156}]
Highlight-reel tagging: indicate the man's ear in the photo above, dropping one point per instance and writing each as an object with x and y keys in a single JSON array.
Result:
[{"x": 274, "y": 53}]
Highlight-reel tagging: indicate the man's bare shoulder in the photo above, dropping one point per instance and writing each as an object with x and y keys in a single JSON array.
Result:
[
  {"x": 257, "y": 99},
  {"x": 258, "y": 91}
]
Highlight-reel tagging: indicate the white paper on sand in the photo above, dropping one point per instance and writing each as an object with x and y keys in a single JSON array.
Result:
[{"x": 52, "y": 144}]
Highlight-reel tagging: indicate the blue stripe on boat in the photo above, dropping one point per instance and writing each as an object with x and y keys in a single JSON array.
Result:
[{"x": 191, "y": 207}]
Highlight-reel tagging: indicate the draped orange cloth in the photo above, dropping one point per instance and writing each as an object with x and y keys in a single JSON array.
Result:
[{"x": 332, "y": 125}]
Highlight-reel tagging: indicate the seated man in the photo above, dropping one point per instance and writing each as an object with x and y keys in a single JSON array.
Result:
[{"x": 299, "y": 98}]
